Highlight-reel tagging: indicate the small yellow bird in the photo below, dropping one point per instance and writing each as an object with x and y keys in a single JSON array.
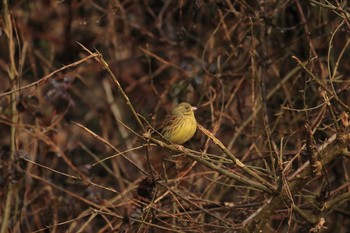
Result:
[{"x": 179, "y": 126}]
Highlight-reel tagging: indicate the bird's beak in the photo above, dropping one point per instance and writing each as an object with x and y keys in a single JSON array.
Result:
[{"x": 194, "y": 108}]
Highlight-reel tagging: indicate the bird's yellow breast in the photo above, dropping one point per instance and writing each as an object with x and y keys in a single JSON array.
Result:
[{"x": 184, "y": 131}]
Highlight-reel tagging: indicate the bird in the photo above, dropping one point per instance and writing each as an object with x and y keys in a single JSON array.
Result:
[{"x": 180, "y": 125}]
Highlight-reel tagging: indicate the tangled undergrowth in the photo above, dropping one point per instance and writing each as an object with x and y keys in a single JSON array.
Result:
[{"x": 83, "y": 82}]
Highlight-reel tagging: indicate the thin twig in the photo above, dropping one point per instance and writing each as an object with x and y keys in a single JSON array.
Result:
[{"x": 105, "y": 65}]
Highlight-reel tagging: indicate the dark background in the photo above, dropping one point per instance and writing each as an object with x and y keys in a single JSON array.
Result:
[{"x": 232, "y": 59}]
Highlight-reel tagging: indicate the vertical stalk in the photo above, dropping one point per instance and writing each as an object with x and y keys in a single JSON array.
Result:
[{"x": 13, "y": 74}]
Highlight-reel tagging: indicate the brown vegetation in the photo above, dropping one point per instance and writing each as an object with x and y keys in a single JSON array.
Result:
[{"x": 82, "y": 82}]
